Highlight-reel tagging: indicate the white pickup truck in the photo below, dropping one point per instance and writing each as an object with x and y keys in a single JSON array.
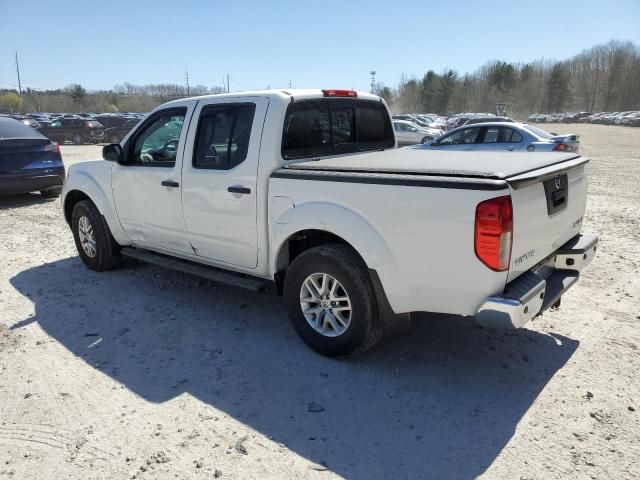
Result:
[{"x": 307, "y": 190}]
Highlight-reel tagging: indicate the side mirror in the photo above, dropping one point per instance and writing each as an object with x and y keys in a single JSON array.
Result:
[{"x": 113, "y": 153}]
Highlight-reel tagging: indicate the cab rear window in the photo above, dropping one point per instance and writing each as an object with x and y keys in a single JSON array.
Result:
[{"x": 332, "y": 126}]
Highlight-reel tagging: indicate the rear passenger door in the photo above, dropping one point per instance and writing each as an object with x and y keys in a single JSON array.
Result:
[
  {"x": 219, "y": 179},
  {"x": 500, "y": 139}
]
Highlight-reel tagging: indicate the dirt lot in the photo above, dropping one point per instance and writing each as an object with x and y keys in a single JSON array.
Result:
[{"x": 143, "y": 373}]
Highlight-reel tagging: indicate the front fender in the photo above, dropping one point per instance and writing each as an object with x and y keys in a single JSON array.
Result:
[{"x": 94, "y": 180}]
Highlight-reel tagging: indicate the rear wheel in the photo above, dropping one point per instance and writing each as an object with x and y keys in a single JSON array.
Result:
[
  {"x": 77, "y": 139},
  {"x": 114, "y": 139},
  {"x": 331, "y": 302},
  {"x": 94, "y": 242}
]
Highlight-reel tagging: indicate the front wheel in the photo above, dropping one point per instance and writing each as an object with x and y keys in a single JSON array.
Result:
[
  {"x": 331, "y": 302},
  {"x": 94, "y": 242},
  {"x": 77, "y": 139}
]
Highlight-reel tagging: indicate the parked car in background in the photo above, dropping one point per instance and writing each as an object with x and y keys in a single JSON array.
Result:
[
  {"x": 29, "y": 161},
  {"x": 409, "y": 133},
  {"x": 498, "y": 136},
  {"x": 74, "y": 129},
  {"x": 115, "y": 134},
  {"x": 466, "y": 119}
]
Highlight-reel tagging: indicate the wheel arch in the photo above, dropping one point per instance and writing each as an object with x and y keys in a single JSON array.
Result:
[
  {"x": 82, "y": 185},
  {"x": 316, "y": 223}
]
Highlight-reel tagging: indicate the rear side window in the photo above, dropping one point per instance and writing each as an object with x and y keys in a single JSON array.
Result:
[
  {"x": 511, "y": 136},
  {"x": 222, "y": 139},
  {"x": 327, "y": 127},
  {"x": 491, "y": 135}
]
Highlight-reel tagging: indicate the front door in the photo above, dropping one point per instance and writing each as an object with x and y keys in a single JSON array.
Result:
[
  {"x": 219, "y": 175},
  {"x": 146, "y": 187},
  {"x": 460, "y": 140}
]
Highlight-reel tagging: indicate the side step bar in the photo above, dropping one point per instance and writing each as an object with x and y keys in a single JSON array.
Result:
[{"x": 191, "y": 268}]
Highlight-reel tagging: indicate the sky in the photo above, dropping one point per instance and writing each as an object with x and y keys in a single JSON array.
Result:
[{"x": 312, "y": 44}]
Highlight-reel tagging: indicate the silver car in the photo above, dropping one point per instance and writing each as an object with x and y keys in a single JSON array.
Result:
[
  {"x": 498, "y": 136},
  {"x": 409, "y": 133}
]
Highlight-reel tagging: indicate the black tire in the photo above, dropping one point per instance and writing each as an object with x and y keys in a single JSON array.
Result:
[
  {"x": 114, "y": 139},
  {"x": 426, "y": 139},
  {"x": 107, "y": 251},
  {"x": 343, "y": 264},
  {"x": 54, "y": 193},
  {"x": 77, "y": 139}
]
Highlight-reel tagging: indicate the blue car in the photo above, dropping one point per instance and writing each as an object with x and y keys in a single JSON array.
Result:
[{"x": 29, "y": 161}]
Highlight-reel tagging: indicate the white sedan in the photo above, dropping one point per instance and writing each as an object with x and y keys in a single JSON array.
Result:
[
  {"x": 499, "y": 136},
  {"x": 409, "y": 133}
]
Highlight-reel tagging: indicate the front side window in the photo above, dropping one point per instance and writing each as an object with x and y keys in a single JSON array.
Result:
[
  {"x": 156, "y": 145},
  {"x": 222, "y": 140},
  {"x": 464, "y": 136}
]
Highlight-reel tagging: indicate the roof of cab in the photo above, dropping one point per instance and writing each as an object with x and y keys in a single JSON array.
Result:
[{"x": 285, "y": 95}]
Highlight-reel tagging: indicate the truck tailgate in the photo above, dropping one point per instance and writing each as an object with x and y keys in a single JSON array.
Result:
[{"x": 548, "y": 208}]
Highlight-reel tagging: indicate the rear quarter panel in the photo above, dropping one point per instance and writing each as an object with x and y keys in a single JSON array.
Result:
[{"x": 420, "y": 240}]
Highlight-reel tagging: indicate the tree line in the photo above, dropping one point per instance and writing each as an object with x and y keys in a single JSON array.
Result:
[
  {"x": 605, "y": 77},
  {"x": 122, "y": 98},
  {"x": 602, "y": 78}
]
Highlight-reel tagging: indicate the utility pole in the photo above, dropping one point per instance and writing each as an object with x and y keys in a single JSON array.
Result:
[
  {"x": 186, "y": 79},
  {"x": 289, "y": 83},
  {"x": 18, "y": 72},
  {"x": 373, "y": 80},
  {"x": 228, "y": 83}
]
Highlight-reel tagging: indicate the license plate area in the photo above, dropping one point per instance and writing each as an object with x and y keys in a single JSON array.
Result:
[{"x": 556, "y": 190}]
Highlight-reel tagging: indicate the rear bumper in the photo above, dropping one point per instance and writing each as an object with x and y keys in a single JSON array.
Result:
[
  {"x": 11, "y": 184},
  {"x": 535, "y": 291}
]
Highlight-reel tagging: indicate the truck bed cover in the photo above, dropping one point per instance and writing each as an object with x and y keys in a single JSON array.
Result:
[{"x": 415, "y": 161}]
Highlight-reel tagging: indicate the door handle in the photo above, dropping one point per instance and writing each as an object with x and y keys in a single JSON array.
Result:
[
  {"x": 243, "y": 190},
  {"x": 169, "y": 183}
]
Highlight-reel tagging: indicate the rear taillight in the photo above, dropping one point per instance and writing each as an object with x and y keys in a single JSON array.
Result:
[
  {"x": 339, "y": 93},
  {"x": 493, "y": 233},
  {"x": 561, "y": 147},
  {"x": 52, "y": 147}
]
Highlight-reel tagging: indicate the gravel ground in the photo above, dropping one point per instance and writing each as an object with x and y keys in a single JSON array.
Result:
[{"x": 144, "y": 373}]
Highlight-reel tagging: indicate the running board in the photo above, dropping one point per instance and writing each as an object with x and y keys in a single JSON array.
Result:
[{"x": 191, "y": 268}]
